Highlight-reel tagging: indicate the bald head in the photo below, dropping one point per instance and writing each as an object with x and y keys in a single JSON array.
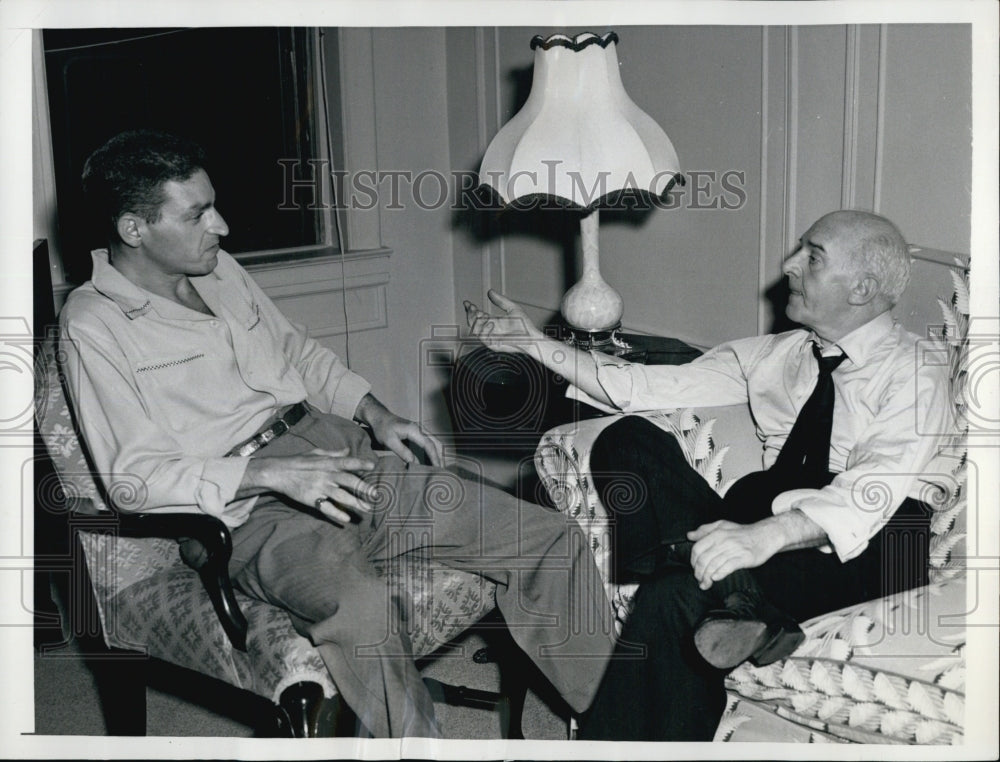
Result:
[
  {"x": 876, "y": 247},
  {"x": 849, "y": 268}
]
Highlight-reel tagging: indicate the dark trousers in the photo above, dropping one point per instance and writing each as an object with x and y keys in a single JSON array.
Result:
[
  {"x": 668, "y": 692},
  {"x": 549, "y": 589}
]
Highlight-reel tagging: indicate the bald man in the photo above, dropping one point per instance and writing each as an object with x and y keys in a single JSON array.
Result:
[{"x": 842, "y": 406}]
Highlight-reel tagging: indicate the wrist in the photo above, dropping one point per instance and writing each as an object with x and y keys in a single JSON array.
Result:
[
  {"x": 370, "y": 412},
  {"x": 536, "y": 333},
  {"x": 775, "y": 533},
  {"x": 363, "y": 412},
  {"x": 794, "y": 530},
  {"x": 258, "y": 477}
]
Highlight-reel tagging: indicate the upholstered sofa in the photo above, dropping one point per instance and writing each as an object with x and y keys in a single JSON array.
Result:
[{"x": 890, "y": 670}]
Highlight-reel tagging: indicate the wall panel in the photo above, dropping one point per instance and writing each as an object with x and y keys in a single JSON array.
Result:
[{"x": 926, "y": 162}]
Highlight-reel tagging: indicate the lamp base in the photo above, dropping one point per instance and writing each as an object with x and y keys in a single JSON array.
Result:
[{"x": 608, "y": 342}]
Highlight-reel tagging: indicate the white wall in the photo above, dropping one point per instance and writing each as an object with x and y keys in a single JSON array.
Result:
[{"x": 396, "y": 87}]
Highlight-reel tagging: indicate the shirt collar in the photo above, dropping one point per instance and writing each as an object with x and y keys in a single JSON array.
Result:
[
  {"x": 859, "y": 343},
  {"x": 133, "y": 300}
]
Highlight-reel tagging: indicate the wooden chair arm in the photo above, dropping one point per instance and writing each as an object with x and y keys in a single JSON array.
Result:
[{"x": 212, "y": 564}]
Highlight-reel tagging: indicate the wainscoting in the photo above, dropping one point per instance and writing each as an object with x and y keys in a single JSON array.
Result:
[{"x": 313, "y": 292}]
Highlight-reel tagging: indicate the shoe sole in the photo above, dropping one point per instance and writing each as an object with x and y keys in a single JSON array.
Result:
[
  {"x": 727, "y": 644},
  {"x": 724, "y": 644}
]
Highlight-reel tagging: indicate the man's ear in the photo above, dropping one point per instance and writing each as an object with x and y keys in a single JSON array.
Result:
[
  {"x": 865, "y": 288},
  {"x": 129, "y": 228}
]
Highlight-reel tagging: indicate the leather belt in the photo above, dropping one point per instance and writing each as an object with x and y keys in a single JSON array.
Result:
[{"x": 272, "y": 431}]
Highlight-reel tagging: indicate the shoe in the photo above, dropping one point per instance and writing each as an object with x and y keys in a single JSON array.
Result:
[{"x": 747, "y": 628}]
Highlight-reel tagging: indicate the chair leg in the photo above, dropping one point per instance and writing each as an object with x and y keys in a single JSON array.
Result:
[
  {"x": 121, "y": 678},
  {"x": 460, "y": 695},
  {"x": 304, "y": 712},
  {"x": 513, "y": 680},
  {"x": 514, "y": 685}
]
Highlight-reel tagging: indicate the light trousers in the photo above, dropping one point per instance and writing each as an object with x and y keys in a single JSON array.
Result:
[{"x": 548, "y": 588}]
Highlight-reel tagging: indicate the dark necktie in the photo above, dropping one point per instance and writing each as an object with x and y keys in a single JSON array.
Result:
[{"x": 808, "y": 444}]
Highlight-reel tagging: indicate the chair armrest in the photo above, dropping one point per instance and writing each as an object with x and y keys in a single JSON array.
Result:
[
  {"x": 212, "y": 564},
  {"x": 562, "y": 460}
]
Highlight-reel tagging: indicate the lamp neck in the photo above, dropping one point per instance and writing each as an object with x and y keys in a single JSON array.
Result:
[{"x": 589, "y": 225}]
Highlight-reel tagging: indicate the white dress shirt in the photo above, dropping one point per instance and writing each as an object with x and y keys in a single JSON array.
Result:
[
  {"x": 891, "y": 408},
  {"x": 162, "y": 391}
]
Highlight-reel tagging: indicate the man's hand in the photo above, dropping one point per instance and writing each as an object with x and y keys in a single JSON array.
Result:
[
  {"x": 326, "y": 479},
  {"x": 495, "y": 331},
  {"x": 722, "y": 547},
  {"x": 391, "y": 431},
  {"x": 513, "y": 332}
]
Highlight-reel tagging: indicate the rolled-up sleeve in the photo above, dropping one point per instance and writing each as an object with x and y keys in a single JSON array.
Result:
[
  {"x": 883, "y": 468},
  {"x": 141, "y": 465},
  {"x": 716, "y": 378}
]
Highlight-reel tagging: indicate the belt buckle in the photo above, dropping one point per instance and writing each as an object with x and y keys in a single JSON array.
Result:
[{"x": 278, "y": 428}]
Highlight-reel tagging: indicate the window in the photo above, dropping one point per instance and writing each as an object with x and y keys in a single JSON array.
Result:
[{"x": 248, "y": 95}]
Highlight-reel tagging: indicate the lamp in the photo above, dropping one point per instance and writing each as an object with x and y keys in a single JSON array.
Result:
[{"x": 581, "y": 141}]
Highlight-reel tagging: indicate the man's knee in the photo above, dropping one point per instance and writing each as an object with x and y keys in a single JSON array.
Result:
[
  {"x": 310, "y": 567},
  {"x": 628, "y": 438},
  {"x": 627, "y": 429},
  {"x": 630, "y": 457}
]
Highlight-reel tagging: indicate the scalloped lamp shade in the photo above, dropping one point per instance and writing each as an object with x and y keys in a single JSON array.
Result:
[
  {"x": 581, "y": 140},
  {"x": 578, "y": 131}
]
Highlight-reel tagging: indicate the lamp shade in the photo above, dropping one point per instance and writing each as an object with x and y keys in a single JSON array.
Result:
[{"x": 579, "y": 137}]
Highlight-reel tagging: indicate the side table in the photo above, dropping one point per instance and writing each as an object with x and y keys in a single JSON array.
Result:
[
  {"x": 511, "y": 400},
  {"x": 660, "y": 350}
]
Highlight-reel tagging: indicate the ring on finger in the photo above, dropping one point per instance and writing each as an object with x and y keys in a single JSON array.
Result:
[{"x": 319, "y": 502}]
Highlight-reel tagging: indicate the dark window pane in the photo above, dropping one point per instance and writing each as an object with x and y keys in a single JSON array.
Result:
[{"x": 245, "y": 94}]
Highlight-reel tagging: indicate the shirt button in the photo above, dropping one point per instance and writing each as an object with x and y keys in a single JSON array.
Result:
[{"x": 214, "y": 323}]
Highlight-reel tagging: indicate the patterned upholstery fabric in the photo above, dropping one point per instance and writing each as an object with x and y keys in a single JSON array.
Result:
[
  {"x": 855, "y": 678},
  {"x": 150, "y": 600},
  {"x": 877, "y": 672}
]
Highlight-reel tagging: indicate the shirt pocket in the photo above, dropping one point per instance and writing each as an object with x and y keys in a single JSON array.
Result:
[
  {"x": 178, "y": 387},
  {"x": 271, "y": 365}
]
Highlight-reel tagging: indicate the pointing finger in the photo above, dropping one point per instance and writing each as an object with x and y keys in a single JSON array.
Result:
[
  {"x": 350, "y": 483},
  {"x": 703, "y": 530},
  {"x": 471, "y": 311}
]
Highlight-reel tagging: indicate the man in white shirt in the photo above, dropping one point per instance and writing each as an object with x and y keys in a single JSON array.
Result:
[
  {"x": 187, "y": 379},
  {"x": 811, "y": 526}
]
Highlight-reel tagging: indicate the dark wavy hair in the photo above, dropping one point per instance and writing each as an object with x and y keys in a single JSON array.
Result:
[{"x": 128, "y": 172}]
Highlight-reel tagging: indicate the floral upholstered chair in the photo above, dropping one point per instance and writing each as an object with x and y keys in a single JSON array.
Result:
[
  {"x": 891, "y": 670},
  {"x": 148, "y": 600}
]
